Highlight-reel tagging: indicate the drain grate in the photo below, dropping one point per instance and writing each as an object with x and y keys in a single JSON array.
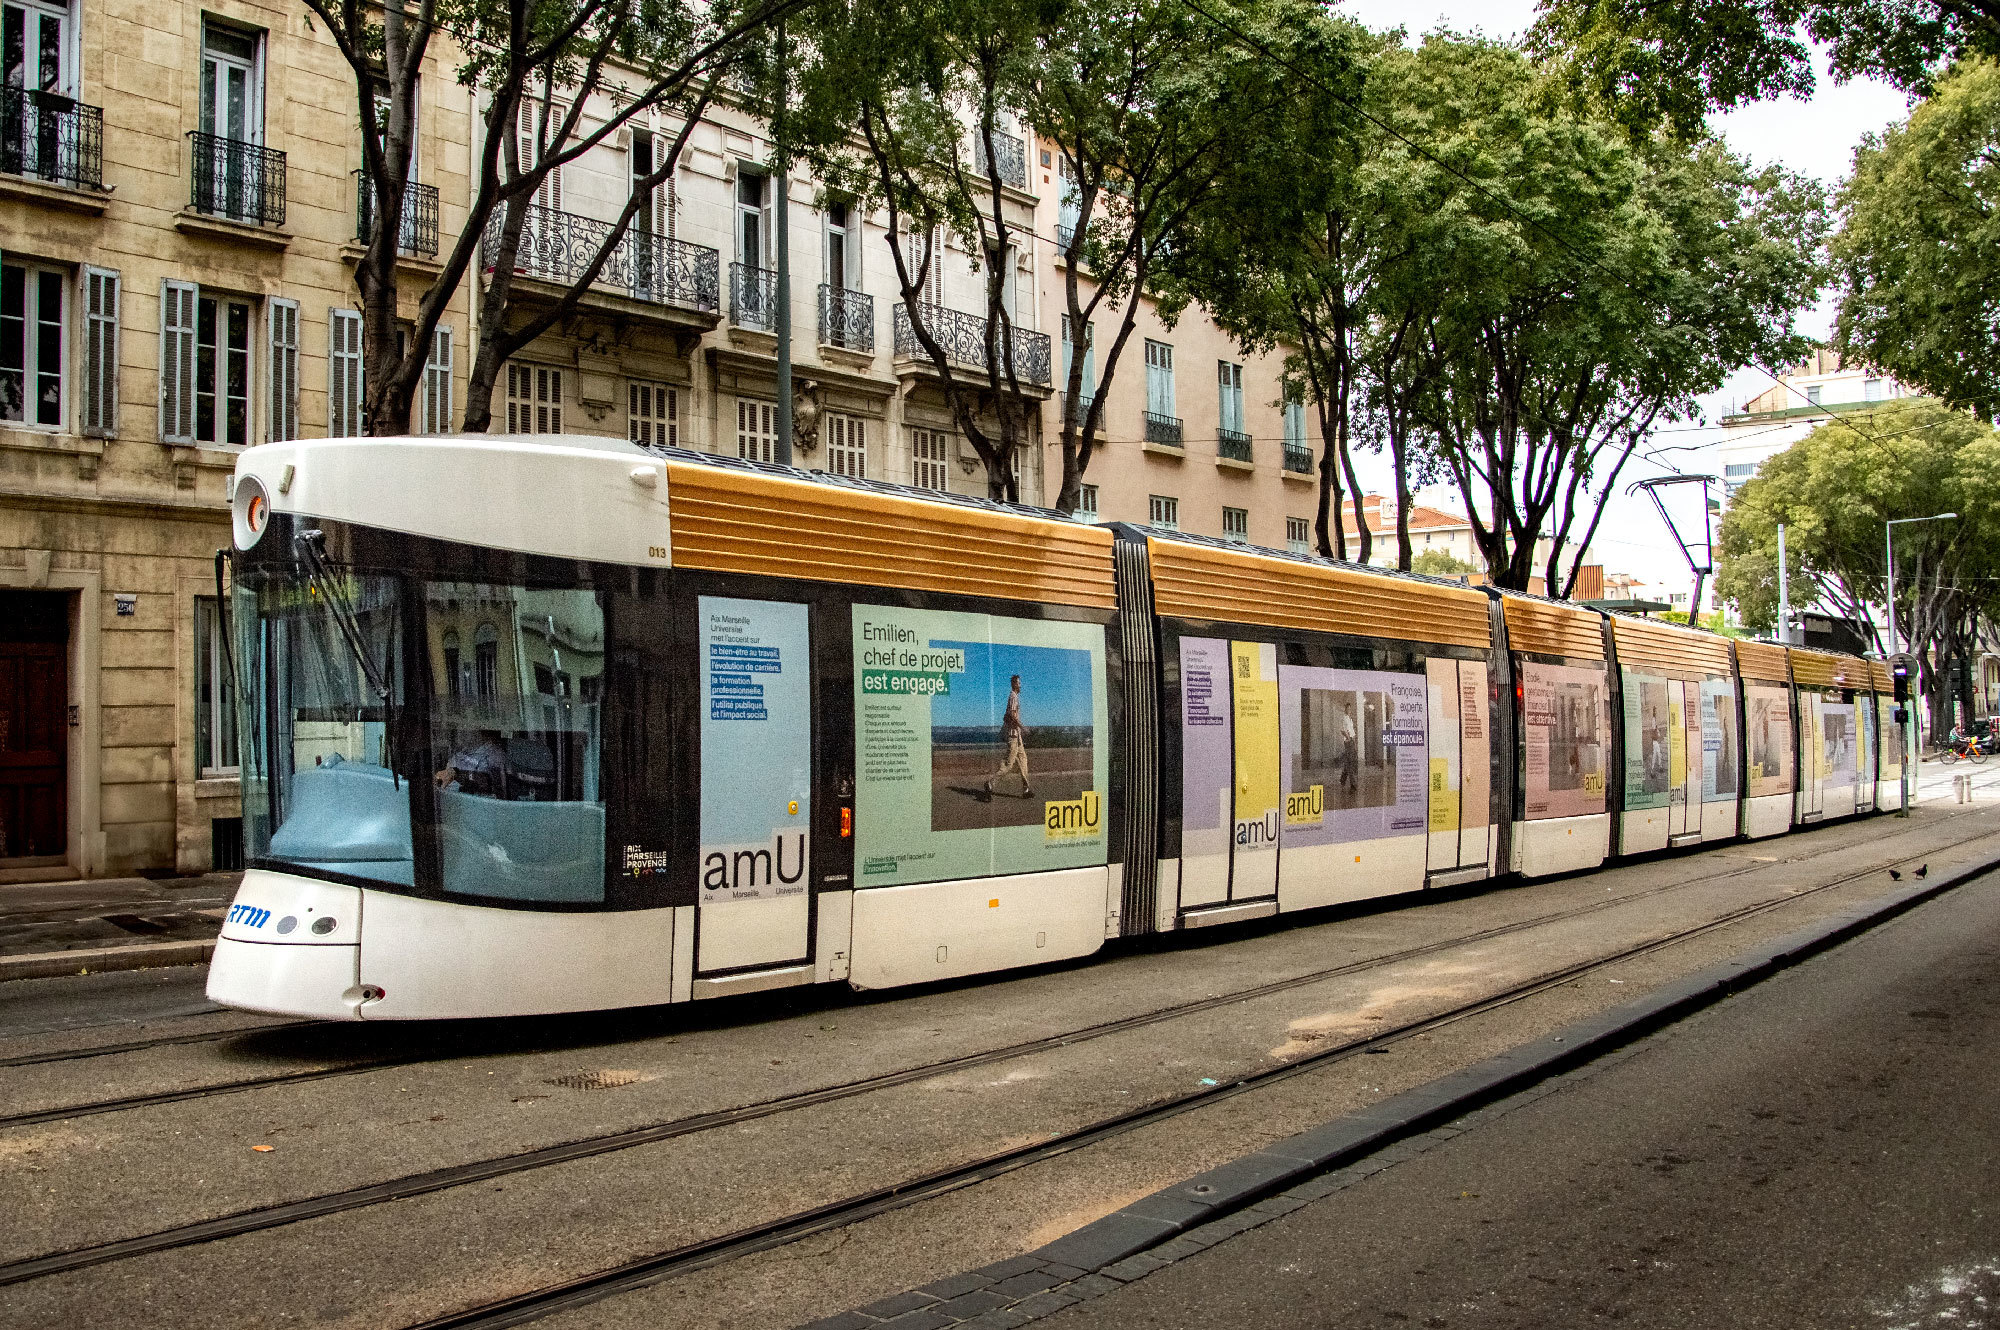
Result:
[{"x": 595, "y": 1080}]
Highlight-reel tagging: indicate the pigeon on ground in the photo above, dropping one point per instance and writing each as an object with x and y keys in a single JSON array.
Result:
[
  {"x": 1895, "y": 875},
  {"x": 1921, "y": 871}
]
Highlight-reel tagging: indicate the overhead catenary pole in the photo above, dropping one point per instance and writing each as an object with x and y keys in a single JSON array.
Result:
[
  {"x": 1784, "y": 592},
  {"x": 782, "y": 173}
]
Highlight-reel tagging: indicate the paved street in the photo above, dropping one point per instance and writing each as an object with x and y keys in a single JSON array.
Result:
[{"x": 1815, "y": 1152}]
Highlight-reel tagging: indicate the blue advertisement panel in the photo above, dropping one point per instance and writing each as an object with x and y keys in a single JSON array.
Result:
[
  {"x": 756, "y": 749},
  {"x": 1355, "y": 754}
]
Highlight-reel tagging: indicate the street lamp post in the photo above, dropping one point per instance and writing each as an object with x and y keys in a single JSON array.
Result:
[{"x": 1889, "y": 559}]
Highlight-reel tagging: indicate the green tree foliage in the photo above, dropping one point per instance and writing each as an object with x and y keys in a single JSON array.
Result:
[
  {"x": 1673, "y": 61},
  {"x": 1918, "y": 250},
  {"x": 1834, "y": 489},
  {"x": 1441, "y": 563}
]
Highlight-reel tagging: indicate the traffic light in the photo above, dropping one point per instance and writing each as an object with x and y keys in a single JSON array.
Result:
[{"x": 1902, "y": 668}]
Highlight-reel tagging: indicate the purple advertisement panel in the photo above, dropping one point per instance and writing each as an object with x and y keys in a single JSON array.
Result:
[
  {"x": 1355, "y": 750},
  {"x": 1205, "y": 747}
]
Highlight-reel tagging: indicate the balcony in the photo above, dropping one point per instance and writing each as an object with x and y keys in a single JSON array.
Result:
[
  {"x": 1076, "y": 409},
  {"x": 419, "y": 232},
  {"x": 243, "y": 182},
  {"x": 1010, "y": 156},
  {"x": 1232, "y": 446},
  {"x": 1163, "y": 429},
  {"x": 962, "y": 338},
  {"x": 1298, "y": 458},
  {"x": 846, "y": 319},
  {"x": 753, "y": 297},
  {"x": 654, "y": 270},
  {"x": 1065, "y": 234},
  {"x": 52, "y": 138}
]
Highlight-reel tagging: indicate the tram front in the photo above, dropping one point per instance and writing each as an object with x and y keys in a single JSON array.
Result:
[{"x": 420, "y": 755}]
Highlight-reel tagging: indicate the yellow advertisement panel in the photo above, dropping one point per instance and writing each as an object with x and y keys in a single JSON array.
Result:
[{"x": 1259, "y": 809}]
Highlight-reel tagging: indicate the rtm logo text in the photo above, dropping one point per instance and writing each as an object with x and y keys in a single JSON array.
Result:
[{"x": 248, "y": 915}]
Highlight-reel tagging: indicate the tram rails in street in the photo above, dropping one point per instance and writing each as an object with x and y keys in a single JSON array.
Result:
[
  {"x": 959, "y": 737},
  {"x": 458, "y": 1050},
  {"x": 273, "y": 1216}
]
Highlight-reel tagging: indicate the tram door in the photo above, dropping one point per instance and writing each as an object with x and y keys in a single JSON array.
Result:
[
  {"x": 1812, "y": 754},
  {"x": 753, "y": 901},
  {"x": 1460, "y": 764},
  {"x": 1683, "y": 739}
]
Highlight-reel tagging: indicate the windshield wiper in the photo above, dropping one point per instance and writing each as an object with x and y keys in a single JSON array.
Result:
[{"x": 307, "y": 548}]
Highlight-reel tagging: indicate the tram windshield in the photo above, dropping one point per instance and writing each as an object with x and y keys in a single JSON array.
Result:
[{"x": 478, "y": 778}]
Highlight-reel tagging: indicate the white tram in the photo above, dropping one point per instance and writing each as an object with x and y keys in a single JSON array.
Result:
[{"x": 560, "y": 724}]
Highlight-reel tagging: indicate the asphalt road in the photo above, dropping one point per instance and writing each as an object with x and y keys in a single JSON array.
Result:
[{"x": 1818, "y": 1151}]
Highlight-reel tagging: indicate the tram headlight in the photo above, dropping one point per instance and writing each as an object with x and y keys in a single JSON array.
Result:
[{"x": 325, "y": 924}]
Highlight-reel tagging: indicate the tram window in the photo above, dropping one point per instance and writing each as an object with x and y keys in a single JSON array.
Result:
[{"x": 515, "y": 760}]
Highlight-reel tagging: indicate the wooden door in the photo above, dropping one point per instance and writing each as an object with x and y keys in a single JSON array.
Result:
[{"x": 34, "y": 730}]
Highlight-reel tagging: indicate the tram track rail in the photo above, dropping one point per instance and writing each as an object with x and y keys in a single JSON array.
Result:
[
  {"x": 837, "y": 1214},
  {"x": 521, "y": 1309},
  {"x": 357, "y": 1067}
]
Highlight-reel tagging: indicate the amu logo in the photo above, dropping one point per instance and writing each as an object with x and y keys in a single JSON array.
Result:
[
  {"x": 248, "y": 915},
  {"x": 1258, "y": 832},
  {"x": 1305, "y": 808},
  {"x": 1066, "y": 819},
  {"x": 752, "y": 872}
]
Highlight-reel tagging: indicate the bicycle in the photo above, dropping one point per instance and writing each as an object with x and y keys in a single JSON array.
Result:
[{"x": 1969, "y": 749}]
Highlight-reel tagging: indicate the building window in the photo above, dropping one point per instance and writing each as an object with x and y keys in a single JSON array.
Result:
[
  {"x": 1086, "y": 504},
  {"x": 343, "y": 384},
  {"x": 927, "y": 449},
  {"x": 1295, "y": 421},
  {"x": 37, "y": 50},
  {"x": 486, "y": 662},
  {"x": 214, "y": 703},
  {"x": 434, "y": 415},
  {"x": 1164, "y": 511},
  {"x": 1088, "y": 390},
  {"x": 659, "y": 204},
  {"x": 843, "y": 245},
  {"x": 655, "y": 415},
  {"x": 534, "y": 399},
  {"x": 1236, "y": 524},
  {"x": 1159, "y": 378},
  {"x": 756, "y": 430},
  {"x": 846, "y": 446},
  {"x": 222, "y": 371},
  {"x": 753, "y": 225},
  {"x": 1298, "y": 535},
  {"x": 1812, "y": 394},
  {"x": 31, "y": 345},
  {"x": 1229, "y": 386},
  {"x": 1736, "y": 469}
]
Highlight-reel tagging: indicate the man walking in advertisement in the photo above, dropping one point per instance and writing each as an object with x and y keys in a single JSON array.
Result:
[{"x": 1015, "y": 736}]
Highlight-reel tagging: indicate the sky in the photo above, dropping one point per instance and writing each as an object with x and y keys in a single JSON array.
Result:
[{"x": 1815, "y": 138}]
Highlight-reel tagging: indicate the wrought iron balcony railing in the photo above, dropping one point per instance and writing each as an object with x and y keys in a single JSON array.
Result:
[
  {"x": 1232, "y": 444},
  {"x": 753, "y": 297},
  {"x": 1163, "y": 429},
  {"x": 419, "y": 232},
  {"x": 51, "y": 137},
  {"x": 1010, "y": 155},
  {"x": 558, "y": 246},
  {"x": 962, "y": 338},
  {"x": 1076, "y": 409},
  {"x": 1065, "y": 233},
  {"x": 846, "y": 319},
  {"x": 244, "y": 182},
  {"x": 1298, "y": 458}
]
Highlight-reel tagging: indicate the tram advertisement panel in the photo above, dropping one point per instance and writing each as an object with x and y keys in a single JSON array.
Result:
[
  {"x": 1767, "y": 711},
  {"x": 1355, "y": 754},
  {"x": 1649, "y": 741},
  {"x": 1891, "y": 738},
  {"x": 980, "y": 745},
  {"x": 1837, "y": 739},
  {"x": 1564, "y": 726},
  {"x": 1254, "y": 689},
  {"x": 1206, "y": 756},
  {"x": 1718, "y": 740},
  {"x": 756, "y": 749}
]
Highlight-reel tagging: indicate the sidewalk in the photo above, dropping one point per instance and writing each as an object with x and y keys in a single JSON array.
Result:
[{"x": 120, "y": 923}]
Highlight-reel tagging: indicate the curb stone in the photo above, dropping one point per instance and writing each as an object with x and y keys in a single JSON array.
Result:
[
  {"x": 133, "y": 956},
  {"x": 1235, "y": 1197}
]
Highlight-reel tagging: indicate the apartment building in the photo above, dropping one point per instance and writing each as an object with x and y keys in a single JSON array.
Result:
[
  {"x": 178, "y": 214},
  {"x": 1195, "y": 435},
  {"x": 677, "y": 343},
  {"x": 1806, "y": 396}
]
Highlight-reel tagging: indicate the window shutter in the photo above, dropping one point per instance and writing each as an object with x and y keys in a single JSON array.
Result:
[
  {"x": 177, "y": 331},
  {"x": 100, "y": 353},
  {"x": 549, "y": 195},
  {"x": 436, "y": 414},
  {"x": 343, "y": 367},
  {"x": 282, "y": 323}
]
